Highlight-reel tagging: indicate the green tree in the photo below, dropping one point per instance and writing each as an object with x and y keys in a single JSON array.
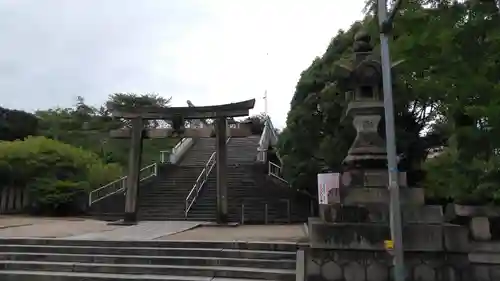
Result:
[
  {"x": 124, "y": 101},
  {"x": 88, "y": 127},
  {"x": 57, "y": 174},
  {"x": 256, "y": 123},
  {"x": 17, "y": 124}
]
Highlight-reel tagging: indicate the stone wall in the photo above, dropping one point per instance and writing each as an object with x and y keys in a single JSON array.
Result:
[
  {"x": 481, "y": 264},
  {"x": 356, "y": 265},
  {"x": 483, "y": 221},
  {"x": 455, "y": 257}
]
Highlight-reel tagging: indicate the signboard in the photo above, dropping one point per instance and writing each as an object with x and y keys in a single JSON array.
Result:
[{"x": 327, "y": 182}]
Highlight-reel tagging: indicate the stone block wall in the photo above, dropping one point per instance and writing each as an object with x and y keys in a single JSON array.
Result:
[
  {"x": 483, "y": 221},
  {"x": 356, "y": 265}
]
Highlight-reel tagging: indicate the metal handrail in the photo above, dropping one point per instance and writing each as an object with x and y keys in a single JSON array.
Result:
[
  {"x": 271, "y": 126},
  {"x": 119, "y": 185},
  {"x": 172, "y": 151},
  {"x": 275, "y": 171},
  {"x": 275, "y": 135},
  {"x": 200, "y": 182}
]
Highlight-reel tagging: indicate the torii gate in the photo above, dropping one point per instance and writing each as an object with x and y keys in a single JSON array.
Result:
[{"x": 178, "y": 114}]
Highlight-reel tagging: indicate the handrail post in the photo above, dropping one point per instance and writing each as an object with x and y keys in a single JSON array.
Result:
[
  {"x": 119, "y": 185},
  {"x": 265, "y": 213},
  {"x": 242, "y": 213}
]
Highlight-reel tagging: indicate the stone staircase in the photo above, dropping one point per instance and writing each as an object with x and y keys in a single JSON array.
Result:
[
  {"x": 199, "y": 153},
  {"x": 162, "y": 198},
  {"x": 165, "y": 199},
  {"x": 72, "y": 260},
  {"x": 253, "y": 198},
  {"x": 242, "y": 150},
  {"x": 239, "y": 151}
]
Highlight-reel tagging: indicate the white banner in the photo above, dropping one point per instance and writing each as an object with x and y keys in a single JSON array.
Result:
[{"x": 327, "y": 182}]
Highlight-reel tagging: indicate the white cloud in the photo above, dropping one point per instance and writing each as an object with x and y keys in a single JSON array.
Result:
[{"x": 208, "y": 51}]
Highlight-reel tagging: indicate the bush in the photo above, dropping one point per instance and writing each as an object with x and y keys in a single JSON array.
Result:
[
  {"x": 472, "y": 183},
  {"x": 56, "y": 174}
]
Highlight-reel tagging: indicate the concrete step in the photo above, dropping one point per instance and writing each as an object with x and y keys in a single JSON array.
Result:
[
  {"x": 180, "y": 218},
  {"x": 12, "y": 275},
  {"x": 176, "y": 270},
  {"x": 68, "y": 260},
  {"x": 167, "y": 194},
  {"x": 45, "y": 245},
  {"x": 147, "y": 251},
  {"x": 153, "y": 260},
  {"x": 50, "y": 258},
  {"x": 264, "y": 247}
]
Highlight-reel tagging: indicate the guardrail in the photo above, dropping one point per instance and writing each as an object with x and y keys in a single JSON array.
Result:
[
  {"x": 200, "y": 182},
  {"x": 171, "y": 156},
  {"x": 275, "y": 171},
  {"x": 119, "y": 185},
  {"x": 273, "y": 130},
  {"x": 268, "y": 137}
]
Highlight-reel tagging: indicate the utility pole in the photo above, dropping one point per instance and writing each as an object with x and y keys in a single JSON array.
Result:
[{"x": 385, "y": 24}]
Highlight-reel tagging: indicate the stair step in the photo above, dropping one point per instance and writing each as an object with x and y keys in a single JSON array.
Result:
[
  {"x": 152, "y": 260},
  {"x": 188, "y": 270},
  {"x": 16, "y": 275},
  {"x": 24, "y": 259},
  {"x": 147, "y": 251}
]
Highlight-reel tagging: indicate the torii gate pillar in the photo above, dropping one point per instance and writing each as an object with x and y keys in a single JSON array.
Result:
[
  {"x": 134, "y": 168},
  {"x": 221, "y": 136}
]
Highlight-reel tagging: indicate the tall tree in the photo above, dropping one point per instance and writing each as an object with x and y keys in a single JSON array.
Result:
[
  {"x": 88, "y": 127},
  {"x": 17, "y": 124},
  {"x": 131, "y": 100}
]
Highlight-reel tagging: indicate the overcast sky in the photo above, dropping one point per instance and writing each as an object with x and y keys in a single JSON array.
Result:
[{"x": 208, "y": 51}]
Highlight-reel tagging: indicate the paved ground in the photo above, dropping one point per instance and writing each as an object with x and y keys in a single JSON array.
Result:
[
  {"x": 11, "y": 221},
  {"x": 77, "y": 228},
  {"x": 17, "y": 226},
  {"x": 260, "y": 233},
  {"x": 148, "y": 230}
]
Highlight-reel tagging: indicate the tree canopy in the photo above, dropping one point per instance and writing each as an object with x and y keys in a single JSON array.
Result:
[
  {"x": 88, "y": 127},
  {"x": 446, "y": 94}
]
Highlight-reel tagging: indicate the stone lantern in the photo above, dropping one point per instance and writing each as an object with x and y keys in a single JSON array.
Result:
[
  {"x": 366, "y": 162},
  {"x": 365, "y": 107}
]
